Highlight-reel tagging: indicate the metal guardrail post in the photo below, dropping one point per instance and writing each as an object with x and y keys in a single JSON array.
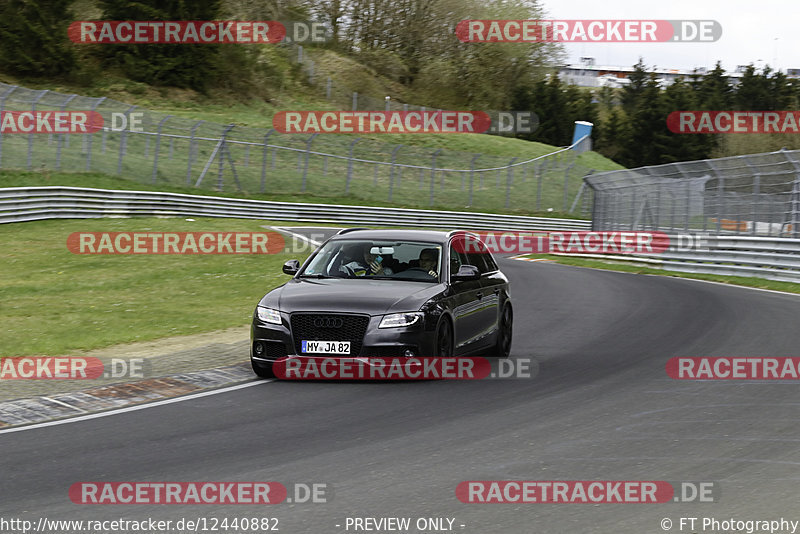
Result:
[
  {"x": 350, "y": 165},
  {"x": 90, "y": 135},
  {"x": 391, "y": 172},
  {"x": 433, "y": 172},
  {"x": 123, "y": 140},
  {"x": 30, "y": 135},
  {"x": 192, "y": 149},
  {"x": 355, "y": 101}
]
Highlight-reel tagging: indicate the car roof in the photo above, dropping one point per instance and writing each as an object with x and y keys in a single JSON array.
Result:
[{"x": 394, "y": 235}]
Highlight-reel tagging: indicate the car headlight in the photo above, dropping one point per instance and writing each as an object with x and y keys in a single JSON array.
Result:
[
  {"x": 400, "y": 319},
  {"x": 268, "y": 315}
]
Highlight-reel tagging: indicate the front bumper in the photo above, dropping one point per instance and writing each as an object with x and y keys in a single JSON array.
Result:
[{"x": 270, "y": 342}]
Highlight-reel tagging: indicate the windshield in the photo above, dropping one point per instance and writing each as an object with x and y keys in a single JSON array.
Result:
[{"x": 376, "y": 260}]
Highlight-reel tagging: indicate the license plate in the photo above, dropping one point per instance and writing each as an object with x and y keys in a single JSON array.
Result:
[{"x": 325, "y": 347}]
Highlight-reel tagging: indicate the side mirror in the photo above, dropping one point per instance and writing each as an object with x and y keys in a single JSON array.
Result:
[
  {"x": 291, "y": 267},
  {"x": 466, "y": 273}
]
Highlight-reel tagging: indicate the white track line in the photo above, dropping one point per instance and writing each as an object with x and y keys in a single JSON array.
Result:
[
  {"x": 296, "y": 236},
  {"x": 135, "y": 408}
]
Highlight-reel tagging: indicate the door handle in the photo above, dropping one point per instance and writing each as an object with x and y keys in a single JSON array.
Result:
[{"x": 479, "y": 295}]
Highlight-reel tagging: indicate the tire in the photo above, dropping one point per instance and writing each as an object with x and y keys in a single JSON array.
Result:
[
  {"x": 444, "y": 339},
  {"x": 505, "y": 328},
  {"x": 263, "y": 370}
]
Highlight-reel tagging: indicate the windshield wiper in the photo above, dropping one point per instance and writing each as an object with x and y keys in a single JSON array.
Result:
[{"x": 318, "y": 275}]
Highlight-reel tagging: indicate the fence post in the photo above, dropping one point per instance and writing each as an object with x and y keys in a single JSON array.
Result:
[
  {"x": 222, "y": 148},
  {"x": 30, "y": 136},
  {"x": 61, "y": 135},
  {"x": 756, "y": 193},
  {"x": 2, "y": 108},
  {"x": 355, "y": 101},
  {"x": 305, "y": 165},
  {"x": 391, "y": 172},
  {"x": 433, "y": 172},
  {"x": 472, "y": 176},
  {"x": 192, "y": 148},
  {"x": 89, "y": 148},
  {"x": 328, "y": 88},
  {"x": 538, "y": 171},
  {"x": 509, "y": 180},
  {"x": 566, "y": 185},
  {"x": 795, "y": 206},
  {"x": 264, "y": 161},
  {"x": 158, "y": 147},
  {"x": 123, "y": 139},
  {"x": 720, "y": 196},
  {"x": 350, "y": 165}
]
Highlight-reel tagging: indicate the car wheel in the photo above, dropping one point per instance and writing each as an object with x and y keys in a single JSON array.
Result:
[
  {"x": 444, "y": 339},
  {"x": 502, "y": 348},
  {"x": 263, "y": 370}
]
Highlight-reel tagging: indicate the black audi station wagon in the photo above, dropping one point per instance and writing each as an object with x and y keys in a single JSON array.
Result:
[{"x": 386, "y": 293}]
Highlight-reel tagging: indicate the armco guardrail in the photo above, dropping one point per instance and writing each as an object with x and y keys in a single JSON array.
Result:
[
  {"x": 763, "y": 257},
  {"x": 20, "y": 204}
]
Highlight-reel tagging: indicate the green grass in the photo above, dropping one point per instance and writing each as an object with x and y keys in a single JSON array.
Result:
[
  {"x": 746, "y": 281},
  {"x": 55, "y": 301}
]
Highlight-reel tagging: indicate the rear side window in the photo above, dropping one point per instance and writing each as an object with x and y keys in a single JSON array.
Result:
[{"x": 481, "y": 259}]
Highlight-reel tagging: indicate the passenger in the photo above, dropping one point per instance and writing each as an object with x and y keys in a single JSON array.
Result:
[{"x": 369, "y": 266}]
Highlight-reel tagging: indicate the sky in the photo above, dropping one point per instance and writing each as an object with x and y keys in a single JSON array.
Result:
[{"x": 758, "y": 32}]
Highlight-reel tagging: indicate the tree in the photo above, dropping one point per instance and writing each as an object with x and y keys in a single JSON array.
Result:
[
  {"x": 714, "y": 92},
  {"x": 632, "y": 93},
  {"x": 33, "y": 37},
  {"x": 192, "y": 66}
]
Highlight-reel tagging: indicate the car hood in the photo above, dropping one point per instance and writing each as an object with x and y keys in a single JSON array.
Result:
[{"x": 374, "y": 297}]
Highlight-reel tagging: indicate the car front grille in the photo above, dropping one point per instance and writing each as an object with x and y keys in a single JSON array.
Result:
[{"x": 329, "y": 327}]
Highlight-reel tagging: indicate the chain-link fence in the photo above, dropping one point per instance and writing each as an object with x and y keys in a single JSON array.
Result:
[
  {"x": 177, "y": 151},
  {"x": 757, "y": 194}
]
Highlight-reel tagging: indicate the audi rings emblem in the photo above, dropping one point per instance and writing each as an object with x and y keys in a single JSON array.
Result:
[{"x": 328, "y": 322}]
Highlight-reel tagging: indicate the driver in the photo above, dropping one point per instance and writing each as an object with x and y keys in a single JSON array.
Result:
[
  {"x": 428, "y": 260},
  {"x": 369, "y": 266}
]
